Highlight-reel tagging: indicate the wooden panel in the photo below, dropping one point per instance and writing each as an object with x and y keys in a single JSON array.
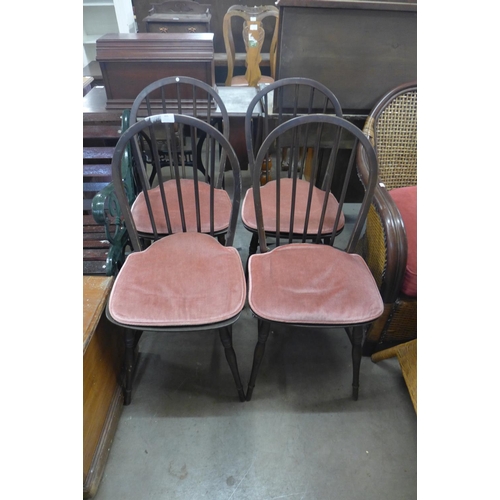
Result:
[
  {"x": 359, "y": 49},
  {"x": 102, "y": 395}
]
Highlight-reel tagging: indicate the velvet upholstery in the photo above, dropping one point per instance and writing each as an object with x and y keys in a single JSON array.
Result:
[
  {"x": 312, "y": 284},
  {"x": 180, "y": 280},
  {"x": 268, "y": 198},
  {"x": 222, "y": 208},
  {"x": 405, "y": 199}
]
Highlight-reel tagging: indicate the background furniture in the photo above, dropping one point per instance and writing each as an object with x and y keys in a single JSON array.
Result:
[
  {"x": 407, "y": 357},
  {"x": 178, "y": 16},
  {"x": 130, "y": 62},
  {"x": 187, "y": 280},
  {"x": 358, "y": 49},
  {"x": 102, "y": 395},
  {"x": 312, "y": 285},
  {"x": 391, "y": 233},
  {"x": 252, "y": 32},
  {"x": 101, "y": 17}
]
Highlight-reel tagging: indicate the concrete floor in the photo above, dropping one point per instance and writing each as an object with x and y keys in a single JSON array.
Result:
[{"x": 186, "y": 436}]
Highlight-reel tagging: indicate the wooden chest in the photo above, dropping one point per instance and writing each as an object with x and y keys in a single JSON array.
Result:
[
  {"x": 131, "y": 61},
  {"x": 178, "y": 16},
  {"x": 102, "y": 395}
]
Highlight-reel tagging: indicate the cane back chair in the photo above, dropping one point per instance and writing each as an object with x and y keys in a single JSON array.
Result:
[
  {"x": 391, "y": 235},
  {"x": 185, "y": 279},
  {"x": 279, "y": 102},
  {"x": 313, "y": 285},
  {"x": 253, "y": 34}
]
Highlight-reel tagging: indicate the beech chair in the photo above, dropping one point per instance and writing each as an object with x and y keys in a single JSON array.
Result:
[
  {"x": 253, "y": 35},
  {"x": 280, "y": 101},
  {"x": 313, "y": 285},
  {"x": 185, "y": 279},
  {"x": 391, "y": 235},
  {"x": 189, "y": 96}
]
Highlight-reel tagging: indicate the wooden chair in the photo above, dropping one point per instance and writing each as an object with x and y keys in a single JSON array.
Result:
[
  {"x": 391, "y": 235},
  {"x": 189, "y": 96},
  {"x": 279, "y": 102},
  {"x": 313, "y": 285},
  {"x": 253, "y": 35},
  {"x": 186, "y": 280}
]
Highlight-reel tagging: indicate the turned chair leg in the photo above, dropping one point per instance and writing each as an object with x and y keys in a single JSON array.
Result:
[
  {"x": 264, "y": 327},
  {"x": 226, "y": 337},
  {"x": 357, "y": 340},
  {"x": 130, "y": 343}
]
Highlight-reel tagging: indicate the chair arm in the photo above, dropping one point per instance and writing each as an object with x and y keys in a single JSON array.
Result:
[{"x": 386, "y": 246}]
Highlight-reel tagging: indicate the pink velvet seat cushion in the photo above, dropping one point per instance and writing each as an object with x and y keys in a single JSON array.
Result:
[
  {"x": 268, "y": 198},
  {"x": 312, "y": 284},
  {"x": 405, "y": 199},
  {"x": 180, "y": 280},
  {"x": 222, "y": 208}
]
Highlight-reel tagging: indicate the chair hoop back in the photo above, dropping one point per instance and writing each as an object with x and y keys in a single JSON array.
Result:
[
  {"x": 161, "y": 128},
  {"x": 325, "y": 132}
]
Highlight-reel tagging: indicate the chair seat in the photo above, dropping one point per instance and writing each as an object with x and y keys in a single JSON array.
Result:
[
  {"x": 326, "y": 286},
  {"x": 268, "y": 198},
  {"x": 405, "y": 199},
  {"x": 222, "y": 208},
  {"x": 181, "y": 280}
]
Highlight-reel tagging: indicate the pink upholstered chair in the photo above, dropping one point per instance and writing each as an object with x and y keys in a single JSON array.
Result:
[
  {"x": 185, "y": 279},
  {"x": 189, "y": 96},
  {"x": 279, "y": 102},
  {"x": 391, "y": 235},
  {"x": 313, "y": 284}
]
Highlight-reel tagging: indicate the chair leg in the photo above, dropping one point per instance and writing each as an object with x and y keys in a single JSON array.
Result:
[
  {"x": 357, "y": 340},
  {"x": 264, "y": 327},
  {"x": 130, "y": 343},
  {"x": 254, "y": 244},
  {"x": 226, "y": 337}
]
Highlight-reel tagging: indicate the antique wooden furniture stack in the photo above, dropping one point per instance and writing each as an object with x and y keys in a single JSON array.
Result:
[
  {"x": 253, "y": 34},
  {"x": 391, "y": 234},
  {"x": 102, "y": 393},
  {"x": 178, "y": 16},
  {"x": 306, "y": 284}
]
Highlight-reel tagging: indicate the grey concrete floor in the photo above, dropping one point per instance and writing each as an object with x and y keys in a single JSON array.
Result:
[{"x": 186, "y": 436}]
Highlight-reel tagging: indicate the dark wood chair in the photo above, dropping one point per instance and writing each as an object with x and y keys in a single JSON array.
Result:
[
  {"x": 253, "y": 35},
  {"x": 188, "y": 96},
  {"x": 391, "y": 235},
  {"x": 279, "y": 102},
  {"x": 185, "y": 279},
  {"x": 313, "y": 285}
]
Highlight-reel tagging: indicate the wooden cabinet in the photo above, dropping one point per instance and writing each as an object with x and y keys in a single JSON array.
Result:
[
  {"x": 103, "y": 348},
  {"x": 183, "y": 16},
  {"x": 101, "y": 17}
]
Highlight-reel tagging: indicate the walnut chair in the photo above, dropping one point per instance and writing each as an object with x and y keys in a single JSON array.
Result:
[
  {"x": 279, "y": 102},
  {"x": 391, "y": 235},
  {"x": 253, "y": 35},
  {"x": 315, "y": 285},
  {"x": 189, "y": 96},
  {"x": 185, "y": 280}
]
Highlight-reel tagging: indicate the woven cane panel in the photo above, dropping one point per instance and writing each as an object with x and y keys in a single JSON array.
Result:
[
  {"x": 396, "y": 142},
  {"x": 403, "y": 323},
  {"x": 375, "y": 241}
]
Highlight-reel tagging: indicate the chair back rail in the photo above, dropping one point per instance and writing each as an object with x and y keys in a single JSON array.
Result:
[
  {"x": 216, "y": 146},
  {"x": 329, "y": 130}
]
